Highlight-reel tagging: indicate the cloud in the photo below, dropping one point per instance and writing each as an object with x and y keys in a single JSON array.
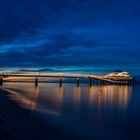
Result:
[{"x": 76, "y": 33}]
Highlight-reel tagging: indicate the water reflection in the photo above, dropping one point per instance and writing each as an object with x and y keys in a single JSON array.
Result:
[
  {"x": 70, "y": 98},
  {"x": 109, "y": 112},
  {"x": 27, "y": 98},
  {"x": 110, "y": 96}
]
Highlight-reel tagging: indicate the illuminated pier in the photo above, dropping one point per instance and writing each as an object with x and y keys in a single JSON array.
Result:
[{"x": 114, "y": 78}]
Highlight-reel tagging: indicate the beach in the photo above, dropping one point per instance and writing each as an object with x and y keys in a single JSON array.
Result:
[{"x": 17, "y": 123}]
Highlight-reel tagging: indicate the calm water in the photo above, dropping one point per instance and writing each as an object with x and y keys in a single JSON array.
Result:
[{"x": 100, "y": 112}]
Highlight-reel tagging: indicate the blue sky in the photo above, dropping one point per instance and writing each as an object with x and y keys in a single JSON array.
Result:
[{"x": 87, "y": 35}]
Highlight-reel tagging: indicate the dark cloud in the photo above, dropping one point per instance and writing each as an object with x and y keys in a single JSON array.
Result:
[{"x": 76, "y": 33}]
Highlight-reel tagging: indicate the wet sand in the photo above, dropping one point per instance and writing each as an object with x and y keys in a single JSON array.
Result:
[{"x": 17, "y": 123}]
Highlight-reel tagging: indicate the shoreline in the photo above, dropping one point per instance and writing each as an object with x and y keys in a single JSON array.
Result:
[{"x": 17, "y": 123}]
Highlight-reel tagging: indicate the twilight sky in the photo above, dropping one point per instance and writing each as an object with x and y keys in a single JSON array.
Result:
[{"x": 94, "y": 36}]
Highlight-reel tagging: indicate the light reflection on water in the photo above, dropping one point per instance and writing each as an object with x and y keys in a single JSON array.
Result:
[
  {"x": 53, "y": 97},
  {"x": 93, "y": 107}
]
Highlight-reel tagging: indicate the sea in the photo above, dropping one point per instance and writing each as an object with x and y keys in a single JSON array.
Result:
[{"x": 109, "y": 112}]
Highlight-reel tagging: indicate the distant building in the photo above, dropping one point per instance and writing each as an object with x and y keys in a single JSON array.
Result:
[{"x": 118, "y": 74}]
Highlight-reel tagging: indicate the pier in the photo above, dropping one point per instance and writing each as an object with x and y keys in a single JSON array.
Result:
[{"x": 93, "y": 79}]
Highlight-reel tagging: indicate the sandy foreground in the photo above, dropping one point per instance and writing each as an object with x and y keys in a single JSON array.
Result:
[{"x": 17, "y": 123}]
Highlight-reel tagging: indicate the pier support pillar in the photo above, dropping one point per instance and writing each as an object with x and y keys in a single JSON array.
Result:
[
  {"x": 93, "y": 82},
  {"x": 102, "y": 82},
  {"x": 90, "y": 82},
  {"x": 97, "y": 82},
  {"x": 60, "y": 82},
  {"x": 36, "y": 81},
  {"x": 78, "y": 82},
  {"x": 1, "y": 81},
  {"x": 111, "y": 83},
  {"x": 108, "y": 82}
]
